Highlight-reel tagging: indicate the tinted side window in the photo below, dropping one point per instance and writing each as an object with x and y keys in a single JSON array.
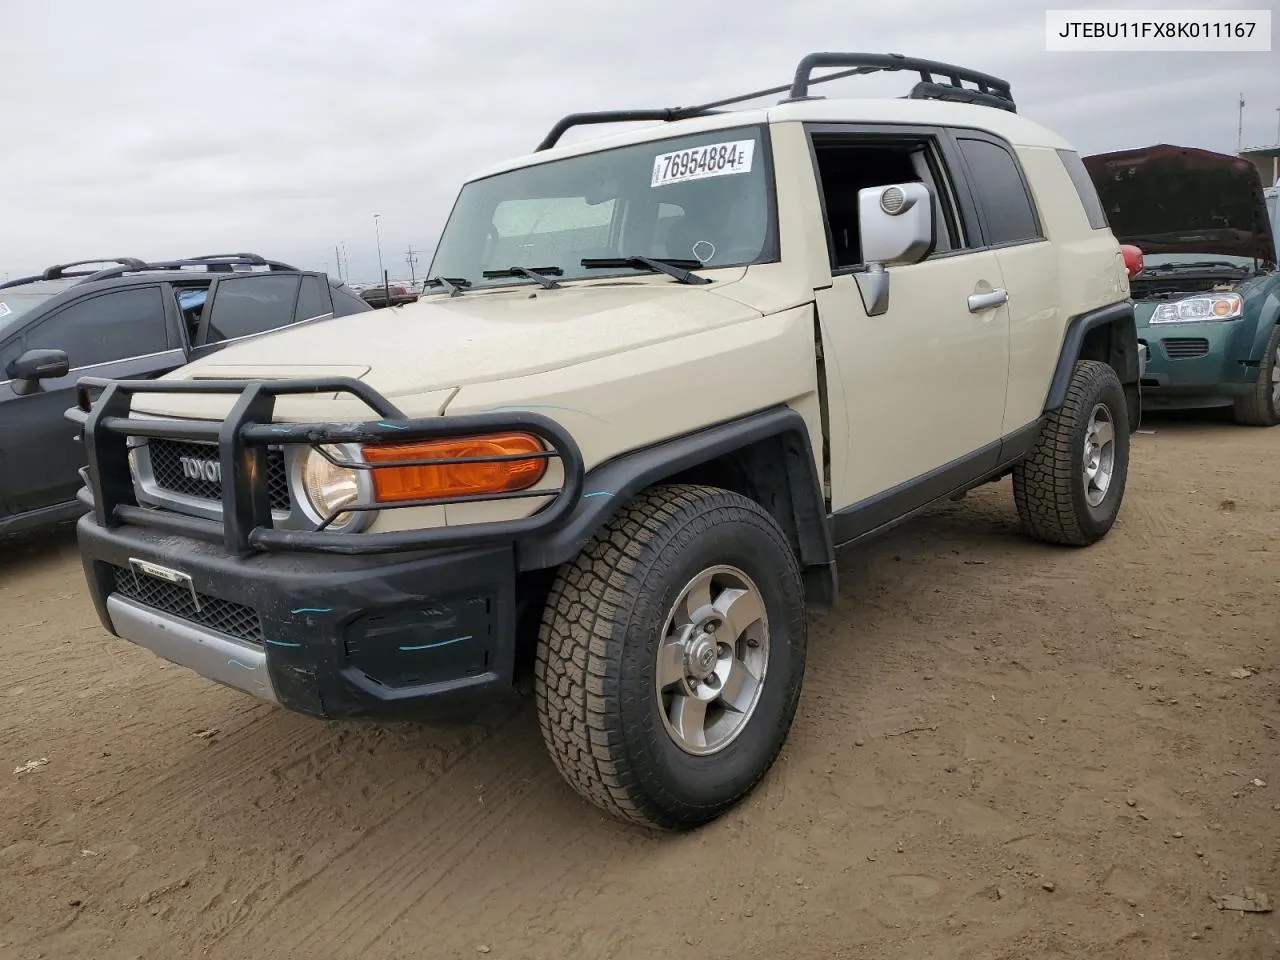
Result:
[
  {"x": 114, "y": 326},
  {"x": 312, "y": 302},
  {"x": 345, "y": 303},
  {"x": 9, "y": 352},
  {"x": 247, "y": 305},
  {"x": 1001, "y": 193},
  {"x": 1085, "y": 189}
]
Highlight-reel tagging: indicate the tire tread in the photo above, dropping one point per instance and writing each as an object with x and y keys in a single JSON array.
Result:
[
  {"x": 1255, "y": 409},
  {"x": 1043, "y": 483},
  {"x": 580, "y": 644}
]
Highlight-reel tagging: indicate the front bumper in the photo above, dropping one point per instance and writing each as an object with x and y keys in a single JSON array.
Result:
[
  {"x": 1186, "y": 361},
  {"x": 425, "y": 635},
  {"x": 414, "y": 623}
]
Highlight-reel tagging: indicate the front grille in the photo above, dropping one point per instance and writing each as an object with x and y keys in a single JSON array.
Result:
[
  {"x": 1184, "y": 348},
  {"x": 166, "y": 466},
  {"x": 233, "y": 619}
]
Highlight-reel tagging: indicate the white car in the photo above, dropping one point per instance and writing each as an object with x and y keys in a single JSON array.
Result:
[{"x": 657, "y": 380}]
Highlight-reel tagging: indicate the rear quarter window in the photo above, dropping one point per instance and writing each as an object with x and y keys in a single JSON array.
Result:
[{"x": 1085, "y": 189}]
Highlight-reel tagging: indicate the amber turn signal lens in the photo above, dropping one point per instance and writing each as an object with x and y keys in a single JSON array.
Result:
[{"x": 398, "y": 484}]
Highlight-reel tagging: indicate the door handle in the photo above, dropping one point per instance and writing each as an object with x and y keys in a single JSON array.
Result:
[{"x": 986, "y": 301}]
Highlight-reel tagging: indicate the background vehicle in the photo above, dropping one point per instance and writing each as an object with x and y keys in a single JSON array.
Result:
[
  {"x": 133, "y": 319},
  {"x": 664, "y": 375},
  {"x": 1208, "y": 296},
  {"x": 376, "y": 296}
]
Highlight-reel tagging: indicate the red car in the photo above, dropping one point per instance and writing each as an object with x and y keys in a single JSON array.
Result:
[{"x": 376, "y": 296}]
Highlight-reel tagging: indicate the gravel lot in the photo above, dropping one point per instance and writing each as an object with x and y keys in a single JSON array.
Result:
[{"x": 1003, "y": 751}]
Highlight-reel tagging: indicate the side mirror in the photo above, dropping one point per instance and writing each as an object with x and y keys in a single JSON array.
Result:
[
  {"x": 40, "y": 365},
  {"x": 896, "y": 228}
]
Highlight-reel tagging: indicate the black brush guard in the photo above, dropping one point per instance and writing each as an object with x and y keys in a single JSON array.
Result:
[{"x": 243, "y": 437}]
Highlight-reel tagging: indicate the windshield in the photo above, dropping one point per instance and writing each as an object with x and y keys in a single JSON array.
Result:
[
  {"x": 13, "y": 305},
  {"x": 1179, "y": 259},
  {"x": 706, "y": 197}
]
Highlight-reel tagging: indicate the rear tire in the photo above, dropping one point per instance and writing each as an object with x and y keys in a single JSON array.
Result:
[
  {"x": 671, "y": 655},
  {"x": 1068, "y": 490},
  {"x": 1261, "y": 407}
]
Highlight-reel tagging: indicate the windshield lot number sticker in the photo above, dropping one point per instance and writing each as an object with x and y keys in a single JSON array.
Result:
[{"x": 698, "y": 163}]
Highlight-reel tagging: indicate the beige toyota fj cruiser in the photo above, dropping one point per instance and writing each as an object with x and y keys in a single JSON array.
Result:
[{"x": 657, "y": 380}]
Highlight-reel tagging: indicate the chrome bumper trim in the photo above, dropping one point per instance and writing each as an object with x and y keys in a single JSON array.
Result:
[{"x": 213, "y": 655}]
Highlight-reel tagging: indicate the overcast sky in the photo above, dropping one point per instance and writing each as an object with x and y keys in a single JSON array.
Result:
[{"x": 156, "y": 129}]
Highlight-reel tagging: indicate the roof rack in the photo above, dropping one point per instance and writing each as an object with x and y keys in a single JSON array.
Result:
[
  {"x": 258, "y": 261},
  {"x": 990, "y": 91},
  {"x": 20, "y": 282},
  {"x": 212, "y": 263},
  {"x": 59, "y": 271}
]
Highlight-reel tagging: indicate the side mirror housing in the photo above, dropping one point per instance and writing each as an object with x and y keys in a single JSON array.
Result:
[
  {"x": 896, "y": 228},
  {"x": 40, "y": 365}
]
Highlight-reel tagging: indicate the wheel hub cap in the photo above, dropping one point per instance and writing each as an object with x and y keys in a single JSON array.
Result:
[
  {"x": 702, "y": 657},
  {"x": 711, "y": 660},
  {"x": 1099, "y": 455}
]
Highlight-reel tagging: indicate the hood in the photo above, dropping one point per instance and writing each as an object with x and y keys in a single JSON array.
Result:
[
  {"x": 1169, "y": 199},
  {"x": 442, "y": 343}
]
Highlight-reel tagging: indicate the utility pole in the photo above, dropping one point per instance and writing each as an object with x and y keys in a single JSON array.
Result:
[
  {"x": 1240, "y": 128},
  {"x": 378, "y": 229},
  {"x": 411, "y": 258},
  {"x": 337, "y": 260}
]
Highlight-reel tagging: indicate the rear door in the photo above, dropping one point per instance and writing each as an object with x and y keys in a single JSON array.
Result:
[
  {"x": 121, "y": 334},
  {"x": 1010, "y": 225}
]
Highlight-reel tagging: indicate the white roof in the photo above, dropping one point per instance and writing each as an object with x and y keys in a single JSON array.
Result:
[{"x": 1013, "y": 127}]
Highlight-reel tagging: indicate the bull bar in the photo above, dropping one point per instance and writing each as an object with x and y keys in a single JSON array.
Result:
[{"x": 242, "y": 439}]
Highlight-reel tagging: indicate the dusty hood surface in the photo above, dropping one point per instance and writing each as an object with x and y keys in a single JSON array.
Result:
[
  {"x": 436, "y": 345},
  {"x": 1169, "y": 199}
]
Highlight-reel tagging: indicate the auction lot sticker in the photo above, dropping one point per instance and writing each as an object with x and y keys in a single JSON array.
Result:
[{"x": 699, "y": 163}]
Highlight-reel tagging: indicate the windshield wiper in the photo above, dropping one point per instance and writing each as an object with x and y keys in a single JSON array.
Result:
[
  {"x": 452, "y": 285},
  {"x": 676, "y": 269},
  {"x": 1195, "y": 265},
  {"x": 542, "y": 274}
]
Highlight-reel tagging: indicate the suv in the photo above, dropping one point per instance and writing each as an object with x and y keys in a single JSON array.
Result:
[
  {"x": 1208, "y": 296},
  {"x": 657, "y": 381},
  {"x": 132, "y": 319}
]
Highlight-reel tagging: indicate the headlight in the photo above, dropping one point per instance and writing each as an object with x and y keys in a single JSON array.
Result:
[
  {"x": 329, "y": 487},
  {"x": 1211, "y": 306}
]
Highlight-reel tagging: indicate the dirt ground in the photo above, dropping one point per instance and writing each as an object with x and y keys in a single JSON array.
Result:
[{"x": 1002, "y": 751}]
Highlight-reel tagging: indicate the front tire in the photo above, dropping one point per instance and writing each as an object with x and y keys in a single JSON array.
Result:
[
  {"x": 671, "y": 655},
  {"x": 1261, "y": 407},
  {"x": 1068, "y": 491}
]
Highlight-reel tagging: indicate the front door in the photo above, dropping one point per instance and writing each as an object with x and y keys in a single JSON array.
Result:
[
  {"x": 121, "y": 334},
  {"x": 916, "y": 395},
  {"x": 924, "y": 383}
]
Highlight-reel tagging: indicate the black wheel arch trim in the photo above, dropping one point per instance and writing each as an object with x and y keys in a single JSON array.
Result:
[
  {"x": 797, "y": 493},
  {"x": 1122, "y": 355}
]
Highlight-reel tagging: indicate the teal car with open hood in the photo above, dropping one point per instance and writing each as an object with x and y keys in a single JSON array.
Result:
[{"x": 1207, "y": 295}]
